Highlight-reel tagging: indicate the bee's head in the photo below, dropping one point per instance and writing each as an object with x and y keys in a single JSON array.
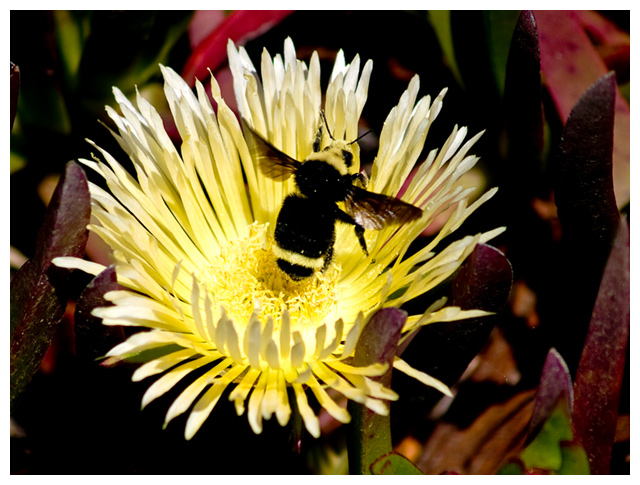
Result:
[
  {"x": 340, "y": 154},
  {"x": 344, "y": 154}
]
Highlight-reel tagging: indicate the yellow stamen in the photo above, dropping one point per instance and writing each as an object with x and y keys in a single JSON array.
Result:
[{"x": 245, "y": 277}]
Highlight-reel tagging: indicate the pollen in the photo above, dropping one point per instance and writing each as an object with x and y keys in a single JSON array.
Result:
[{"x": 245, "y": 278}]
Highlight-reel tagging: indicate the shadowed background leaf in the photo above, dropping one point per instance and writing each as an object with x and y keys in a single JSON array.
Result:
[{"x": 571, "y": 65}]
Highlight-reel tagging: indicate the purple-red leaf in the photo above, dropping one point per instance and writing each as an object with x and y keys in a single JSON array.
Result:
[
  {"x": 587, "y": 212},
  {"x": 484, "y": 280},
  {"x": 571, "y": 64},
  {"x": 64, "y": 232},
  {"x": 601, "y": 30},
  {"x": 37, "y": 294},
  {"x": 599, "y": 377},
  {"x": 203, "y": 23},
  {"x": 555, "y": 383},
  {"x": 370, "y": 433},
  {"x": 93, "y": 339},
  {"x": 241, "y": 25},
  {"x": 611, "y": 43},
  {"x": 446, "y": 348},
  {"x": 584, "y": 184}
]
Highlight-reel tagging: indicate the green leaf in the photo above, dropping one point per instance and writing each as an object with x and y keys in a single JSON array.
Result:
[
  {"x": 394, "y": 464},
  {"x": 511, "y": 468},
  {"x": 440, "y": 20},
  {"x": 139, "y": 39},
  {"x": 552, "y": 451},
  {"x": 41, "y": 104},
  {"x": 16, "y": 161},
  {"x": 544, "y": 451},
  {"x": 14, "y": 88},
  {"x": 369, "y": 434},
  {"x": 574, "y": 460},
  {"x": 499, "y": 25},
  {"x": 71, "y": 29},
  {"x": 38, "y": 294},
  {"x": 474, "y": 59}
]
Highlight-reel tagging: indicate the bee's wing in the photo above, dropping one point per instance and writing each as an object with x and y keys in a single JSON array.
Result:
[
  {"x": 375, "y": 211},
  {"x": 272, "y": 162}
]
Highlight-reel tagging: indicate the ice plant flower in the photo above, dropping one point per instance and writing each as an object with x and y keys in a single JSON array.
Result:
[{"x": 192, "y": 234}]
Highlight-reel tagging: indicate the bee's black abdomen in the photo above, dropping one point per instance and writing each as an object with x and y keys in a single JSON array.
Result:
[
  {"x": 305, "y": 226},
  {"x": 295, "y": 271},
  {"x": 304, "y": 234}
]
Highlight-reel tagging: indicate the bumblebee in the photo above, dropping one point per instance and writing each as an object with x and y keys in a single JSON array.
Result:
[{"x": 305, "y": 228}]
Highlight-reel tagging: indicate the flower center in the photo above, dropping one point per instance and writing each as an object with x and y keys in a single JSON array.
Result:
[{"x": 245, "y": 277}]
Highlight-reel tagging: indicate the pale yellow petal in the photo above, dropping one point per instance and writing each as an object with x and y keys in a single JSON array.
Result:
[
  {"x": 171, "y": 378},
  {"x": 309, "y": 418},
  {"x": 426, "y": 379},
  {"x": 206, "y": 403}
]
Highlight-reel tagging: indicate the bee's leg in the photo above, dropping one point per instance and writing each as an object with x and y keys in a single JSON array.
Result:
[
  {"x": 328, "y": 258},
  {"x": 317, "y": 141},
  {"x": 346, "y": 218},
  {"x": 360, "y": 234},
  {"x": 360, "y": 178}
]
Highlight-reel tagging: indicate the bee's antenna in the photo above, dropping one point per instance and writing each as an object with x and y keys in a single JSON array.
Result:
[
  {"x": 361, "y": 136},
  {"x": 326, "y": 125}
]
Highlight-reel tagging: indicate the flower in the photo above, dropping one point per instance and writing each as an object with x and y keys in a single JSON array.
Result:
[{"x": 192, "y": 233}]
